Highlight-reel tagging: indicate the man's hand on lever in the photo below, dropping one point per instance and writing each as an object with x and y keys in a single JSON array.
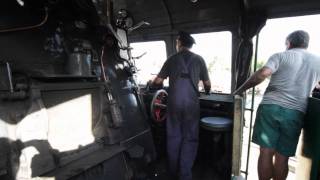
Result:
[
  {"x": 207, "y": 87},
  {"x": 156, "y": 83}
]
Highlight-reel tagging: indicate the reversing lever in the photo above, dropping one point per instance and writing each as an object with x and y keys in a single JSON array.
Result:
[
  {"x": 116, "y": 115},
  {"x": 9, "y": 92},
  {"x": 9, "y": 77}
]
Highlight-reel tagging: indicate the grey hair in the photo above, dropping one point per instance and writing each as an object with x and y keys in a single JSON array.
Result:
[{"x": 298, "y": 39}]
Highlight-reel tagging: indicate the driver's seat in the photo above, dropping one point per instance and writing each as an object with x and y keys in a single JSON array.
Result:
[
  {"x": 220, "y": 129},
  {"x": 216, "y": 124}
]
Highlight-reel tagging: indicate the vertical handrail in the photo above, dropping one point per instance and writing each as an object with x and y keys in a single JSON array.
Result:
[
  {"x": 252, "y": 105},
  {"x": 237, "y": 135}
]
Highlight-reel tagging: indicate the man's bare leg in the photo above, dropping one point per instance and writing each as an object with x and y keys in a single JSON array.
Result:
[
  {"x": 280, "y": 167},
  {"x": 265, "y": 163}
]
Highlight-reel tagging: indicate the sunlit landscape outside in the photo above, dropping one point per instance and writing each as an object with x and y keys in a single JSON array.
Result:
[
  {"x": 215, "y": 48},
  {"x": 150, "y": 64}
]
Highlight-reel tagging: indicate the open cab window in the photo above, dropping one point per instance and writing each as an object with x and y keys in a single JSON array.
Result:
[
  {"x": 215, "y": 48},
  {"x": 149, "y": 58}
]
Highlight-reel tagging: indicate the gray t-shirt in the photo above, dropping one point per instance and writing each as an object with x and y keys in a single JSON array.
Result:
[
  {"x": 295, "y": 73},
  {"x": 197, "y": 68}
]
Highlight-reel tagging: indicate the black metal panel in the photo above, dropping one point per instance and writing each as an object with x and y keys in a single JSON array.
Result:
[
  {"x": 38, "y": 55},
  {"x": 114, "y": 168}
]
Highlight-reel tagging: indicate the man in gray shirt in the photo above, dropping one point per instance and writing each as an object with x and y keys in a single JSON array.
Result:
[
  {"x": 294, "y": 73},
  {"x": 184, "y": 69}
]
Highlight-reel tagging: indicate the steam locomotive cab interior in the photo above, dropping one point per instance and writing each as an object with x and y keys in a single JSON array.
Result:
[{"x": 71, "y": 106}]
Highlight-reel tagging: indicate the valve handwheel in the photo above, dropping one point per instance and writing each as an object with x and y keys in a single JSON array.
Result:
[{"x": 158, "y": 106}]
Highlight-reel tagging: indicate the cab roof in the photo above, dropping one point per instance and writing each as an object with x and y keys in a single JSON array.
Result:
[{"x": 204, "y": 15}]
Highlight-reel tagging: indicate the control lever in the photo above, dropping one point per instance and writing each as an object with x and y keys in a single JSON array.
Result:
[
  {"x": 138, "y": 57},
  {"x": 109, "y": 26},
  {"x": 116, "y": 115},
  {"x": 115, "y": 111},
  {"x": 148, "y": 86},
  {"x": 11, "y": 93},
  {"x": 138, "y": 26},
  {"x": 9, "y": 77}
]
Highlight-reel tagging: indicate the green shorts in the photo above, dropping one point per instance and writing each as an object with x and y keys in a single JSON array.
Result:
[{"x": 278, "y": 128}]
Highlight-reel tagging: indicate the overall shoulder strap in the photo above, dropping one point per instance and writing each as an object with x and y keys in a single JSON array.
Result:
[
  {"x": 185, "y": 73},
  {"x": 186, "y": 62}
]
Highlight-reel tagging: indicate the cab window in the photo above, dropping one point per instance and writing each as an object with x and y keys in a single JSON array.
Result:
[
  {"x": 154, "y": 54},
  {"x": 216, "y": 48}
]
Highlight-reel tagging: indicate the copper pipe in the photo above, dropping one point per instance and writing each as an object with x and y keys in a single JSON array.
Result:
[
  {"x": 27, "y": 27},
  {"x": 102, "y": 66}
]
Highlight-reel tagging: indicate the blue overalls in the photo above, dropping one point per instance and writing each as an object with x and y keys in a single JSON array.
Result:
[{"x": 182, "y": 122}]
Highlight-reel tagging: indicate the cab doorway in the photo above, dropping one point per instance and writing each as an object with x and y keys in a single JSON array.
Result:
[{"x": 270, "y": 40}]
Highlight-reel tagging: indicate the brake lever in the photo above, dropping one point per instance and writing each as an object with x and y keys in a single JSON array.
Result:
[{"x": 148, "y": 86}]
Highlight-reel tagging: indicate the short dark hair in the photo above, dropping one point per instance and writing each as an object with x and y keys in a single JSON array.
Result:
[
  {"x": 186, "y": 39},
  {"x": 298, "y": 39}
]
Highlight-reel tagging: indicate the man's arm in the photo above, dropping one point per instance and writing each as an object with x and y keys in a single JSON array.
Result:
[
  {"x": 163, "y": 74},
  {"x": 204, "y": 77},
  {"x": 157, "y": 81},
  {"x": 258, "y": 77},
  {"x": 207, "y": 86}
]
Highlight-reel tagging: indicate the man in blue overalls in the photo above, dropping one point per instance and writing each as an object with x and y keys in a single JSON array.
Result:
[{"x": 184, "y": 69}]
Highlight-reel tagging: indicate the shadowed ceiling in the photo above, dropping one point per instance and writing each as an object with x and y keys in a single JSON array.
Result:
[{"x": 171, "y": 15}]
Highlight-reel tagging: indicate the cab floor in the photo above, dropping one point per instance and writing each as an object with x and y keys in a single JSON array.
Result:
[{"x": 200, "y": 172}]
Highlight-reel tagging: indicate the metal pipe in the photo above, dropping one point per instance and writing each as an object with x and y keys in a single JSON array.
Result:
[
  {"x": 102, "y": 65},
  {"x": 9, "y": 77},
  {"x": 109, "y": 26},
  {"x": 113, "y": 105},
  {"x": 27, "y": 27},
  {"x": 252, "y": 104},
  {"x": 138, "y": 26}
]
